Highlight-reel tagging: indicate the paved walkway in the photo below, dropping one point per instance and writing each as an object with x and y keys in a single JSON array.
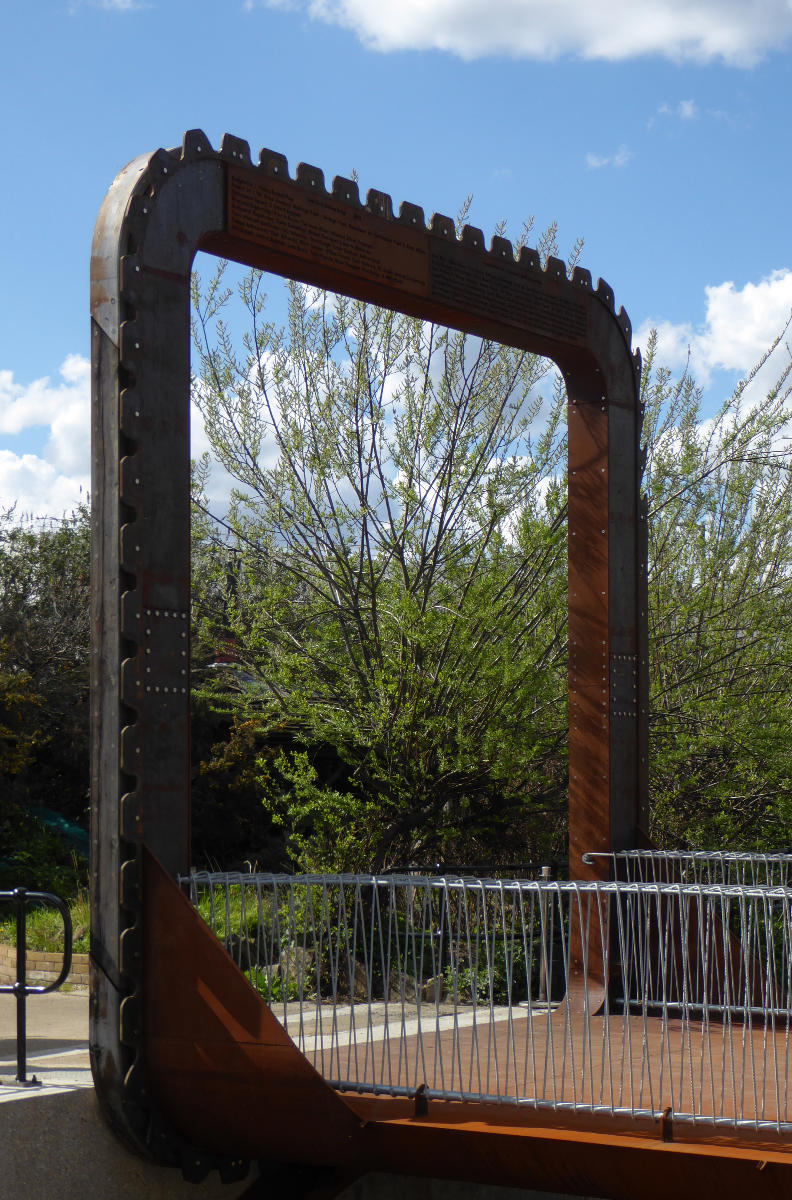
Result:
[
  {"x": 62, "y": 1114},
  {"x": 57, "y": 1044}
]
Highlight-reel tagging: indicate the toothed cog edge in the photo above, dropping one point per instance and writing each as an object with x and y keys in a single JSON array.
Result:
[{"x": 196, "y": 146}]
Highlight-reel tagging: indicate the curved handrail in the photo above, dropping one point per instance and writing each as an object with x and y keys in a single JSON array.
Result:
[{"x": 20, "y": 988}]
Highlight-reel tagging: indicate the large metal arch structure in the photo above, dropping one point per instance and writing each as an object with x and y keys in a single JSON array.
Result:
[{"x": 149, "y": 1054}]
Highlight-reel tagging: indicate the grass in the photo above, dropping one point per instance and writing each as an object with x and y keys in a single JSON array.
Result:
[{"x": 44, "y": 927}]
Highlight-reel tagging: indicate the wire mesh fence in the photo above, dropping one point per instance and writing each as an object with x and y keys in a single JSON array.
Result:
[
  {"x": 741, "y": 868},
  {"x": 629, "y": 998}
]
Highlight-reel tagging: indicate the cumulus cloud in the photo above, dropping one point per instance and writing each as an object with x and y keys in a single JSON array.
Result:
[
  {"x": 33, "y": 487},
  {"x": 57, "y": 415},
  {"x": 739, "y": 326},
  {"x": 620, "y": 159},
  {"x": 701, "y": 31}
]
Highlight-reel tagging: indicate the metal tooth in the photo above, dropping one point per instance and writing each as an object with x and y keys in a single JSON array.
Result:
[
  {"x": 555, "y": 268},
  {"x": 130, "y": 277},
  {"x": 345, "y": 189},
  {"x": 129, "y": 881},
  {"x": 273, "y": 163},
  {"x": 130, "y": 339},
  {"x": 130, "y": 614},
  {"x": 195, "y": 144},
  {"x": 130, "y": 1024},
  {"x": 311, "y": 178},
  {"x": 582, "y": 278},
  {"x": 129, "y": 682},
  {"x": 501, "y": 247},
  {"x": 379, "y": 203},
  {"x": 161, "y": 166},
  {"x": 130, "y": 747},
  {"x": 529, "y": 258},
  {"x": 473, "y": 237},
  {"x": 412, "y": 214},
  {"x": 637, "y": 364},
  {"x": 130, "y": 477},
  {"x": 129, "y": 412},
  {"x": 130, "y": 817},
  {"x": 625, "y": 323},
  {"x": 234, "y": 148},
  {"x": 131, "y": 535},
  {"x": 443, "y": 226},
  {"x": 605, "y": 293}
]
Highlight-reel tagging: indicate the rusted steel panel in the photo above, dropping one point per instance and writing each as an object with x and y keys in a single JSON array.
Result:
[
  {"x": 225, "y": 1074},
  {"x": 221, "y": 1067},
  {"x": 160, "y": 210}
]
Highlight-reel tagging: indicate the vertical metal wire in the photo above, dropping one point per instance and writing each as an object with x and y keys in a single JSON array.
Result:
[{"x": 469, "y": 986}]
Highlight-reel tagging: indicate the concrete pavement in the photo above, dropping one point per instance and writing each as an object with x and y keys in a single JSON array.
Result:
[{"x": 54, "y": 1143}]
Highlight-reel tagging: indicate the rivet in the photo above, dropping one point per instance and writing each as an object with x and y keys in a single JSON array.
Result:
[
  {"x": 137, "y": 412},
  {"x": 148, "y": 631},
  {"x": 137, "y": 549},
  {"x": 137, "y": 481},
  {"x": 156, "y": 689}
]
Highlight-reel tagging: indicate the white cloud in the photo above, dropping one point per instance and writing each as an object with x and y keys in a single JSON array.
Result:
[
  {"x": 36, "y": 488},
  {"x": 739, "y": 326},
  {"x": 620, "y": 159},
  {"x": 685, "y": 110},
  {"x": 682, "y": 30},
  {"x": 49, "y": 482}
]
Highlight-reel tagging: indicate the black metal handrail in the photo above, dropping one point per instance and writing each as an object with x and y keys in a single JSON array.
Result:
[{"x": 20, "y": 988}]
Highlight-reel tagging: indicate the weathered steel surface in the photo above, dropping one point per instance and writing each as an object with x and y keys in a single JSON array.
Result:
[
  {"x": 226, "y": 1075},
  {"x": 162, "y": 209}
]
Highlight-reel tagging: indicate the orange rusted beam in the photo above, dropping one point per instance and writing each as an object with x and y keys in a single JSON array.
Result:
[{"x": 224, "y": 1074}]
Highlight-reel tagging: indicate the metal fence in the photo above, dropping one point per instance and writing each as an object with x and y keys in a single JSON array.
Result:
[
  {"x": 745, "y": 869},
  {"x": 628, "y": 998}
]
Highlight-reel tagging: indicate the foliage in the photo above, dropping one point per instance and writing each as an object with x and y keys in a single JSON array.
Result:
[
  {"x": 44, "y": 692},
  {"x": 398, "y": 543},
  {"x": 44, "y": 657},
  {"x": 44, "y": 926},
  {"x": 720, "y": 606}
]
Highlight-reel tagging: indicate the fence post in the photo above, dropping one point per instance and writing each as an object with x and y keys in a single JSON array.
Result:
[{"x": 20, "y": 896}]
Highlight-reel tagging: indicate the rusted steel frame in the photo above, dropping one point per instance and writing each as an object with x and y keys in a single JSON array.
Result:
[
  {"x": 222, "y": 1069},
  {"x": 163, "y": 208}
]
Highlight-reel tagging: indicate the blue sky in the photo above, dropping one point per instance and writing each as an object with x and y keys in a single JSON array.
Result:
[{"x": 657, "y": 131}]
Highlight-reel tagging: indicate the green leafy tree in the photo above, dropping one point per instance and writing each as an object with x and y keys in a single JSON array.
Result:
[
  {"x": 720, "y": 590},
  {"x": 398, "y": 588},
  {"x": 44, "y": 692},
  {"x": 399, "y": 540}
]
